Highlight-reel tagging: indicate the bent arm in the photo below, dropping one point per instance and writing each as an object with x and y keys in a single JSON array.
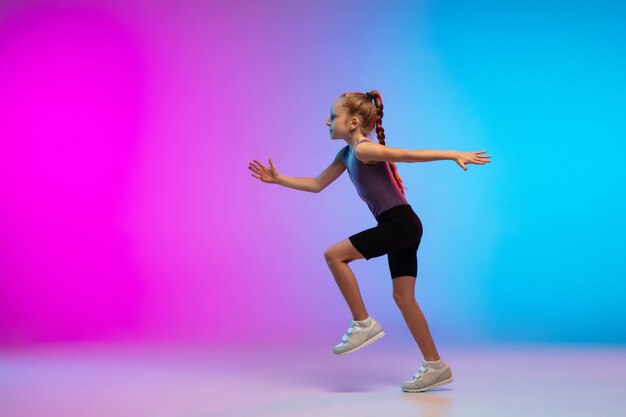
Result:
[{"x": 377, "y": 152}]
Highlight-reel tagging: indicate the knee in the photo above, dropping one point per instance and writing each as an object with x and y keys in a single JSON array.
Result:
[
  {"x": 334, "y": 255},
  {"x": 403, "y": 299},
  {"x": 329, "y": 255}
]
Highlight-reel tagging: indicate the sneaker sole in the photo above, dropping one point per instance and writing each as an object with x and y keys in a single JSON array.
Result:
[
  {"x": 438, "y": 384},
  {"x": 366, "y": 343}
]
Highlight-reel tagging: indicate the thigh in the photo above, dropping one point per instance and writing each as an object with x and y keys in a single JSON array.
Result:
[
  {"x": 400, "y": 228},
  {"x": 403, "y": 262},
  {"x": 377, "y": 241}
]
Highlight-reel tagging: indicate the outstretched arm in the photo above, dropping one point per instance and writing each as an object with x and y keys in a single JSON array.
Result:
[{"x": 377, "y": 152}]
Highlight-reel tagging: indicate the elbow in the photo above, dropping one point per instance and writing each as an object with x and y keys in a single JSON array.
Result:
[{"x": 318, "y": 187}]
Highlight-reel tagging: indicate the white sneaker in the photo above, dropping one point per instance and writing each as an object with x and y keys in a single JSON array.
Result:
[
  {"x": 358, "y": 337},
  {"x": 428, "y": 377}
]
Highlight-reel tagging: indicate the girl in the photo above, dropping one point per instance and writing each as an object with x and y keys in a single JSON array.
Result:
[{"x": 372, "y": 169}]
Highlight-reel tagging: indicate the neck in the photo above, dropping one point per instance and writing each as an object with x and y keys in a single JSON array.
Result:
[{"x": 354, "y": 139}]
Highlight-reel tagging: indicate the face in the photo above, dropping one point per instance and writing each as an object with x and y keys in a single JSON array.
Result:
[{"x": 339, "y": 122}]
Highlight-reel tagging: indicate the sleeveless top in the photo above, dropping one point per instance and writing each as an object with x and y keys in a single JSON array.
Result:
[{"x": 375, "y": 184}]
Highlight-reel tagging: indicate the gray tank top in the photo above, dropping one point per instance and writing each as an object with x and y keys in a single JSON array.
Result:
[{"x": 374, "y": 183}]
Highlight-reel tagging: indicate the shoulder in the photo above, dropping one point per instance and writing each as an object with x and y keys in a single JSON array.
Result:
[{"x": 367, "y": 152}]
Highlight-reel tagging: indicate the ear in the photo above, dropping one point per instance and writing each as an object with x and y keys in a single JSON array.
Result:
[{"x": 354, "y": 122}]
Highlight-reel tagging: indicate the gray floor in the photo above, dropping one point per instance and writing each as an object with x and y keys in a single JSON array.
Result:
[{"x": 92, "y": 380}]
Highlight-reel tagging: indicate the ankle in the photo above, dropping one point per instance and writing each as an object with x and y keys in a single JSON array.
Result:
[{"x": 434, "y": 364}]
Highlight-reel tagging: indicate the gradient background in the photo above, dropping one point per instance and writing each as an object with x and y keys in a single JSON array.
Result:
[{"x": 128, "y": 212}]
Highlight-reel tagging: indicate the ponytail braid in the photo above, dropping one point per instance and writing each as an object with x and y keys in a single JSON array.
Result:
[{"x": 380, "y": 133}]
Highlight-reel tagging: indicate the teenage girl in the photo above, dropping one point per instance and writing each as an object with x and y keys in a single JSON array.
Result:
[{"x": 371, "y": 167}]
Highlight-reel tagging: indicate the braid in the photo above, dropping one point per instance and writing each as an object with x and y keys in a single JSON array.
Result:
[{"x": 380, "y": 133}]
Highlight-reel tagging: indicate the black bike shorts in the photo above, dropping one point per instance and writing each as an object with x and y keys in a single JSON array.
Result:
[{"x": 398, "y": 234}]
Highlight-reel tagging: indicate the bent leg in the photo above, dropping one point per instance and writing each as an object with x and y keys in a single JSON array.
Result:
[
  {"x": 337, "y": 257},
  {"x": 404, "y": 295}
]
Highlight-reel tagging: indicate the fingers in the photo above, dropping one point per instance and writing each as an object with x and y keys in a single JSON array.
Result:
[
  {"x": 260, "y": 164},
  {"x": 482, "y": 159},
  {"x": 479, "y": 161},
  {"x": 258, "y": 167}
]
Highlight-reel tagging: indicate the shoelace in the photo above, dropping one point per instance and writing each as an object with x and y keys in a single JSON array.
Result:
[
  {"x": 350, "y": 331},
  {"x": 419, "y": 374}
]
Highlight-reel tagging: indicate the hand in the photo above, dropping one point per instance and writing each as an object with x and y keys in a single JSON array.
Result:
[
  {"x": 472, "y": 158},
  {"x": 266, "y": 174}
]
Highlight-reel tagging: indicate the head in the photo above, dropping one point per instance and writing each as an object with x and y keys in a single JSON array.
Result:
[{"x": 354, "y": 115}]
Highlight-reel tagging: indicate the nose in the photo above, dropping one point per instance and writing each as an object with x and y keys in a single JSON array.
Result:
[{"x": 328, "y": 122}]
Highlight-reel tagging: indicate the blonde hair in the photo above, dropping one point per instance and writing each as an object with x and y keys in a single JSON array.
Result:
[{"x": 371, "y": 116}]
